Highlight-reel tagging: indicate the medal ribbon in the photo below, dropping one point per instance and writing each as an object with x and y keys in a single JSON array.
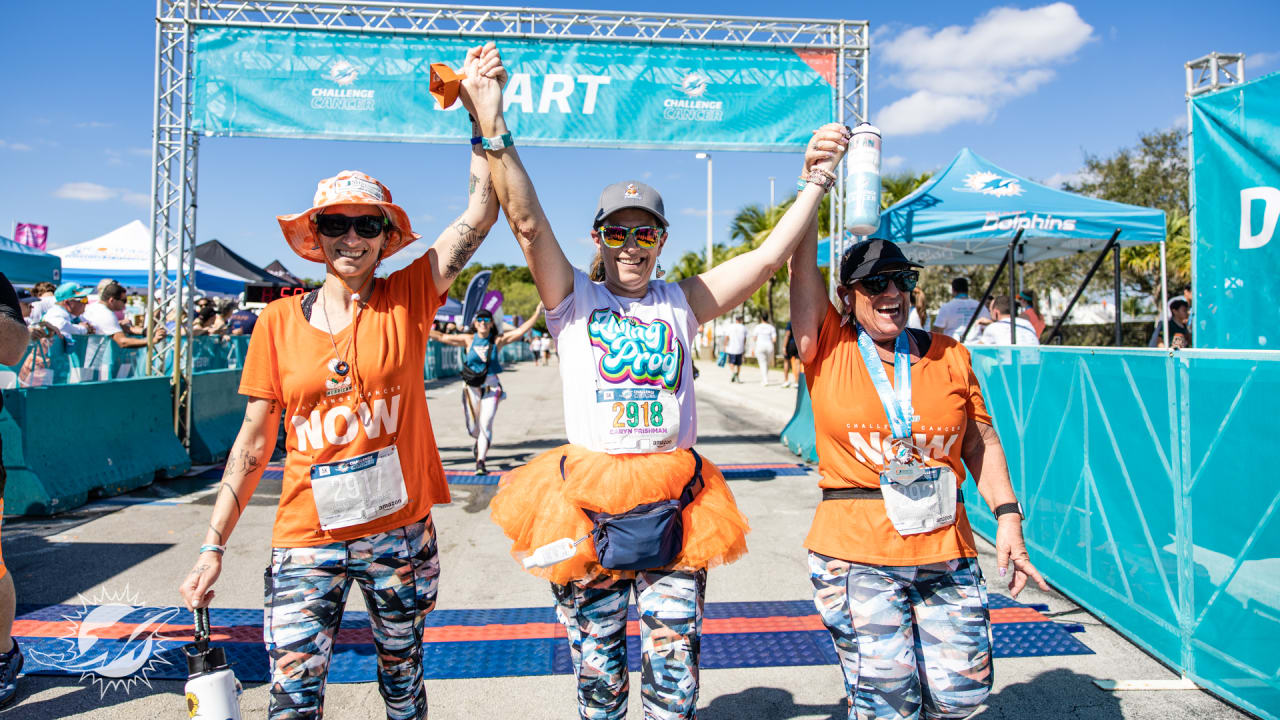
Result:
[{"x": 897, "y": 399}]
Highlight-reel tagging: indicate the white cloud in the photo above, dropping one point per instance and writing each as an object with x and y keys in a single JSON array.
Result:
[
  {"x": 962, "y": 74},
  {"x": 87, "y": 191},
  {"x": 1256, "y": 62},
  {"x": 1056, "y": 180},
  {"x": 16, "y": 147},
  {"x": 136, "y": 198},
  {"x": 893, "y": 162},
  {"x": 93, "y": 124},
  {"x": 93, "y": 192}
]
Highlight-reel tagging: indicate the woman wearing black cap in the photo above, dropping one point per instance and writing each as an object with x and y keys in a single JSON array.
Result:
[
  {"x": 625, "y": 347},
  {"x": 482, "y": 390},
  {"x": 898, "y": 416}
]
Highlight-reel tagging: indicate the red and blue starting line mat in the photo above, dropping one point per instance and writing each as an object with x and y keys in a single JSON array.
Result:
[{"x": 119, "y": 639}]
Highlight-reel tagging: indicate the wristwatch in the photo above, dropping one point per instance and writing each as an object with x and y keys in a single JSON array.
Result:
[{"x": 1005, "y": 509}]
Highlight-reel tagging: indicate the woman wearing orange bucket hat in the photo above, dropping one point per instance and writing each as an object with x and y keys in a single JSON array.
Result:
[
  {"x": 628, "y": 506},
  {"x": 344, "y": 363}
]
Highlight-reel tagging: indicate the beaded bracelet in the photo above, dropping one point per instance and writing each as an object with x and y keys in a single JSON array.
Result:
[
  {"x": 817, "y": 176},
  {"x": 220, "y": 549}
]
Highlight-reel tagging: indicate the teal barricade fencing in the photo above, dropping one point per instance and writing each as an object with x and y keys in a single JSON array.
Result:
[
  {"x": 63, "y": 444},
  {"x": 124, "y": 435},
  {"x": 1143, "y": 477}
]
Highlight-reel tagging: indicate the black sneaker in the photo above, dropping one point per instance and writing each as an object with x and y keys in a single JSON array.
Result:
[
  {"x": 10, "y": 665},
  {"x": 480, "y": 468}
]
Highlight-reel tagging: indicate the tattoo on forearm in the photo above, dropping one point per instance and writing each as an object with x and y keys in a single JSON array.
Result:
[
  {"x": 471, "y": 185},
  {"x": 486, "y": 190},
  {"x": 217, "y": 532},
  {"x": 469, "y": 239},
  {"x": 229, "y": 489}
]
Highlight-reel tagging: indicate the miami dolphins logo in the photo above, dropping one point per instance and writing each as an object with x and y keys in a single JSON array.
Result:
[
  {"x": 635, "y": 351},
  {"x": 113, "y": 640}
]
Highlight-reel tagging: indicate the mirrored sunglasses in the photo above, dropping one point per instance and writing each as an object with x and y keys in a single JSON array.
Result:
[
  {"x": 367, "y": 226},
  {"x": 905, "y": 280},
  {"x": 646, "y": 236}
]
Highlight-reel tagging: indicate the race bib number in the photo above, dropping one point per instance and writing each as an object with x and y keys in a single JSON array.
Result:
[
  {"x": 359, "y": 489},
  {"x": 636, "y": 420},
  {"x": 919, "y": 499}
]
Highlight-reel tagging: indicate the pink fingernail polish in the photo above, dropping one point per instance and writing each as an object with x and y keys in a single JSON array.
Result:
[{"x": 1002, "y": 571}]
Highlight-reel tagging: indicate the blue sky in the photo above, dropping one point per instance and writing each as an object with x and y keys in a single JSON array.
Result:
[{"x": 1031, "y": 86}]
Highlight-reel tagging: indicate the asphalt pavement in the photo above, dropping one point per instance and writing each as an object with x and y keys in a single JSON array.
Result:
[{"x": 140, "y": 552}]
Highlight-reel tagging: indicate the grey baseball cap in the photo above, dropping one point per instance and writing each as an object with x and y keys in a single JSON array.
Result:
[{"x": 629, "y": 194}]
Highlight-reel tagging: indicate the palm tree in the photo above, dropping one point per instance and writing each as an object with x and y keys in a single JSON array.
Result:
[
  {"x": 752, "y": 225},
  {"x": 899, "y": 185}
]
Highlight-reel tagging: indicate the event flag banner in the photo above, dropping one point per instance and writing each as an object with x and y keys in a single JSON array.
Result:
[
  {"x": 366, "y": 86},
  {"x": 31, "y": 235},
  {"x": 1235, "y": 136}
]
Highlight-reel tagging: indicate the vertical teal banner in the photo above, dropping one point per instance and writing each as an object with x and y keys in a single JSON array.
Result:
[
  {"x": 1235, "y": 136},
  {"x": 288, "y": 83}
]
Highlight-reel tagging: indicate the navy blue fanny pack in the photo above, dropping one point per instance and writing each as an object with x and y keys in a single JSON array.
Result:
[{"x": 647, "y": 536}]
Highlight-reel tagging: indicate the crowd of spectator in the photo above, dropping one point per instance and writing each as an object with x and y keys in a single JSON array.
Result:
[{"x": 70, "y": 309}]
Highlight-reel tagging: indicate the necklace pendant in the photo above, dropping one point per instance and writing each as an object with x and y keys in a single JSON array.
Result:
[{"x": 339, "y": 367}]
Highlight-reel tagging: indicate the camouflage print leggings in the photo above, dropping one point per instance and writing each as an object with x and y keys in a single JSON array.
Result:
[
  {"x": 914, "y": 642},
  {"x": 306, "y": 590},
  {"x": 594, "y": 612}
]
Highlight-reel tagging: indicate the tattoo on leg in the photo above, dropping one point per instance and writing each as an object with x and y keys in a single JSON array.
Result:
[{"x": 468, "y": 240}]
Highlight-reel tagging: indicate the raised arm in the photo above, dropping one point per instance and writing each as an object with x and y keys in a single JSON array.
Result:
[
  {"x": 716, "y": 291},
  {"x": 518, "y": 332},
  {"x": 455, "y": 246},
  {"x": 808, "y": 294},
  {"x": 482, "y": 95},
  {"x": 456, "y": 339}
]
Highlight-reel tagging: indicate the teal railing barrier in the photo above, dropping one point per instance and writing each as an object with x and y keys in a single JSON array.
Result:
[
  {"x": 97, "y": 358},
  {"x": 446, "y": 361},
  {"x": 122, "y": 439},
  {"x": 1144, "y": 478}
]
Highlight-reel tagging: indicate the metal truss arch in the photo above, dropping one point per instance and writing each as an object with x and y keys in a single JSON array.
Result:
[{"x": 175, "y": 146}]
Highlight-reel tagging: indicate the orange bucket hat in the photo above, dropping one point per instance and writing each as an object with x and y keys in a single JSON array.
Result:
[{"x": 347, "y": 187}]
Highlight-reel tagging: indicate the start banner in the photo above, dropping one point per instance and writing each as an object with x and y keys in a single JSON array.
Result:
[
  {"x": 365, "y": 86},
  {"x": 1235, "y": 136}
]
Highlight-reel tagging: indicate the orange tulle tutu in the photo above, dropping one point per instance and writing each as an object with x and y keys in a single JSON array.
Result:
[{"x": 534, "y": 506}]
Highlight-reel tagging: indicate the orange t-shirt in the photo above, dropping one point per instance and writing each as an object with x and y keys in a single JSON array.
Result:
[
  {"x": 288, "y": 362},
  {"x": 853, "y": 435}
]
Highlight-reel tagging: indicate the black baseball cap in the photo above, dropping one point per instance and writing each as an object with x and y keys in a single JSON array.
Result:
[{"x": 870, "y": 257}]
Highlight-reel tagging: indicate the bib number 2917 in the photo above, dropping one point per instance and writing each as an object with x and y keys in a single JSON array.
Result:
[{"x": 637, "y": 414}]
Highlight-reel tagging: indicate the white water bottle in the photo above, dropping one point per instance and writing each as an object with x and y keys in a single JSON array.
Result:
[
  {"x": 863, "y": 190},
  {"x": 551, "y": 553},
  {"x": 213, "y": 693}
]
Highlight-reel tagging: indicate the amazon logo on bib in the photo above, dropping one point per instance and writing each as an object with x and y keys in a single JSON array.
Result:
[{"x": 340, "y": 425}]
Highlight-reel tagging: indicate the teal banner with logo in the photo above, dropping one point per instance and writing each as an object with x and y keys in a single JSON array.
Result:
[
  {"x": 1235, "y": 136},
  {"x": 363, "y": 86}
]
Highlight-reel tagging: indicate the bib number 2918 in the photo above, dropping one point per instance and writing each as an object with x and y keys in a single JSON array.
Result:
[{"x": 637, "y": 414}]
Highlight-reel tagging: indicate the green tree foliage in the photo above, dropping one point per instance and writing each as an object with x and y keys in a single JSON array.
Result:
[
  {"x": 1152, "y": 174},
  {"x": 897, "y": 186},
  {"x": 515, "y": 282}
]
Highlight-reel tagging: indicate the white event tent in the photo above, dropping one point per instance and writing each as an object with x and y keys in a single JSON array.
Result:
[{"x": 124, "y": 255}]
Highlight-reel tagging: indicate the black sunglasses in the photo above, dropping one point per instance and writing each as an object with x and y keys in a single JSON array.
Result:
[
  {"x": 367, "y": 226},
  {"x": 905, "y": 280}
]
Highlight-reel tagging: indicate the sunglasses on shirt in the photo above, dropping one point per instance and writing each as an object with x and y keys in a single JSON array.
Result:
[
  {"x": 905, "y": 280},
  {"x": 646, "y": 236},
  {"x": 367, "y": 226}
]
